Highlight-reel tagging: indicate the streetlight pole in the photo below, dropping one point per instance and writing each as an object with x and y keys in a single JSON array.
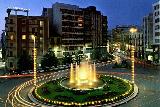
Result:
[
  {"x": 132, "y": 61},
  {"x": 132, "y": 30},
  {"x": 34, "y": 59}
]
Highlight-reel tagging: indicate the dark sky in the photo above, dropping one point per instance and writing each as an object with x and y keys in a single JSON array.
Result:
[{"x": 119, "y": 12}]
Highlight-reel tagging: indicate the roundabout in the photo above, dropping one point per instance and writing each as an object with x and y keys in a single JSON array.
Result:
[
  {"x": 56, "y": 89},
  {"x": 113, "y": 90}
]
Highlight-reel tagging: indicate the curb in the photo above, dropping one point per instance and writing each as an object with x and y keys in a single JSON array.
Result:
[{"x": 125, "y": 100}]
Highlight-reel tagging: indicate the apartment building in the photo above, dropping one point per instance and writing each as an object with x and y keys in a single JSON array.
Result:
[
  {"x": 76, "y": 27},
  {"x": 156, "y": 31},
  {"x": 68, "y": 22},
  {"x": 124, "y": 38},
  {"x": 148, "y": 35},
  {"x": 19, "y": 31}
]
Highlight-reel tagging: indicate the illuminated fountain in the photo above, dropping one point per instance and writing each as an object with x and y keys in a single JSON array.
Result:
[
  {"x": 84, "y": 87},
  {"x": 84, "y": 73}
]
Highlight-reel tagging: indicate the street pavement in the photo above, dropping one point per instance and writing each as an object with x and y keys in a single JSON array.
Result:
[{"x": 147, "y": 79}]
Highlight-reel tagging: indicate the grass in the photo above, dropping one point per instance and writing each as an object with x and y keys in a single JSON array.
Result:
[{"x": 114, "y": 87}]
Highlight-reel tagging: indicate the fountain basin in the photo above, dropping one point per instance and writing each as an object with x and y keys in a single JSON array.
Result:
[
  {"x": 115, "y": 89},
  {"x": 83, "y": 86}
]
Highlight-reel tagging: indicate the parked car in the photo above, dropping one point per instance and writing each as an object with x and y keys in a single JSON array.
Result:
[
  {"x": 24, "y": 72},
  {"x": 55, "y": 68},
  {"x": 41, "y": 70},
  {"x": 30, "y": 71}
]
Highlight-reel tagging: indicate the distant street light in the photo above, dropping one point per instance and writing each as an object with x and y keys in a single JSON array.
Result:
[{"x": 133, "y": 30}]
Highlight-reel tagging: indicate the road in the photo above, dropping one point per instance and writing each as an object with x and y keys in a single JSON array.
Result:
[{"x": 147, "y": 79}]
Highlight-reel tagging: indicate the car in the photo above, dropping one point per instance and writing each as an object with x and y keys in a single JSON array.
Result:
[
  {"x": 30, "y": 71},
  {"x": 55, "y": 68},
  {"x": 51, "y": 69},
  {"x": 41, "y": 70},
  {"x": 24, "y": 72}
]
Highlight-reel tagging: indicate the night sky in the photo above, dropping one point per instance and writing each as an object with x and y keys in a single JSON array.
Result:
[{"x": 119, "y": 12}]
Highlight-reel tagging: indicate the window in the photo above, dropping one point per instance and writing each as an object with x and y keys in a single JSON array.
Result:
[
  {"x": 156, "y": 7},
  {"x": 33, "y": 30},
  {"x": 11, "y": 37},
  {"x": 41, "y": 39},
  {"x": 11, "y": 29},
  {"x": 11, "y": 44},
  {"x": 11, "y": 21},
  {"x": 11, "y": 53},
  {"x": 157, "y": 27},
  {"x": 80, "y": 24},
  {"x": 156, "y": 13},
  {"x": 157, "y": 20},
  {"x": 23, "y": 29},
  {"x": 31, "y": 37},
  {"x": 23, "y": 21},
  {"x": 80, "y": 19},
  {"x": 41, "y": 23},
  {"x": 41, "y": 31},
  {"x": 157, "y": 40},
  {"x": 23, "y": 37},
  {"x": 157, "y": 33},
  {"x": 11, "y": 64}
]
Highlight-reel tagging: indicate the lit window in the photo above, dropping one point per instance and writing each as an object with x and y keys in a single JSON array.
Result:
[
  {"x": 32, "y": 37},
  {"x": 41, "y": 23},
  {"x": 80, "y": 24},
  {"x": 11, "y": 37},
  {"x": 80, "y": 19},
  {"x": 23, "y": 36},
  {"x": 41, "y": 39}
]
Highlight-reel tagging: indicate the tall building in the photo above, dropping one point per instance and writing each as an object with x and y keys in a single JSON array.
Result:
[
  {"x": 121, "y": 35},
  {"x": 124, "y": 38},
  {"x": 74, "y": 27},
  {"x": 148, "y": 35},
  {"x": 3, "y": 43},
  {"x": 68, "y": 22},
  {"x": 136, "y": 39},
  {"x": 105, "y": 37},
  {"x": 156, "y": 31},
  {"x": 94, "y": 26},
  {"x": 19, "y": 36}
]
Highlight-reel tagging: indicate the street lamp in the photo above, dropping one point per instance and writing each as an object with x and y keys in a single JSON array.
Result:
[
  {"x": 132, "y": 30},
  {"x": 34, "y": 59}
]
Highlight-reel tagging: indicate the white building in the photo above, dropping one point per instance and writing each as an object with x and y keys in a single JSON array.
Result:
[
  {"x": 0, "y": 53},
  {"x": 148, "y": 35},
  {"x": 156, "y": 31}
]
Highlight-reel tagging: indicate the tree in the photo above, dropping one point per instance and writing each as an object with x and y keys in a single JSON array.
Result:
[
  {"x": 49, "y": 60},
  {"x": 96, "y": 54},
  {"x": 67, "y": 59},
  {"x": 25, "y": 62},
  {"x": 101, "y": 54}
]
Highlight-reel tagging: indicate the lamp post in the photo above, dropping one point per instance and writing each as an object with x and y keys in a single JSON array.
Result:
[
  {"x": 132, "y": 30},
  {"x": 34, "y": 59}
]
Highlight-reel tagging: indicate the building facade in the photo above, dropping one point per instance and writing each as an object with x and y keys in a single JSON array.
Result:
[
  {"x": 124, "y": 39},
  {"x": 136, "y": 39},
  {"x": 74, "y": 27},
  {"x": 3, "y": 43},
  {"x": 148, "y": 36},
  {"x": 68, "y": 22},
  {"x": 156, "y": 31},
  {"x": 19, "y": 37}
]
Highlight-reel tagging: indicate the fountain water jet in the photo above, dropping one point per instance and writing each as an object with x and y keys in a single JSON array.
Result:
[{"x": 83, "y": 75}]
